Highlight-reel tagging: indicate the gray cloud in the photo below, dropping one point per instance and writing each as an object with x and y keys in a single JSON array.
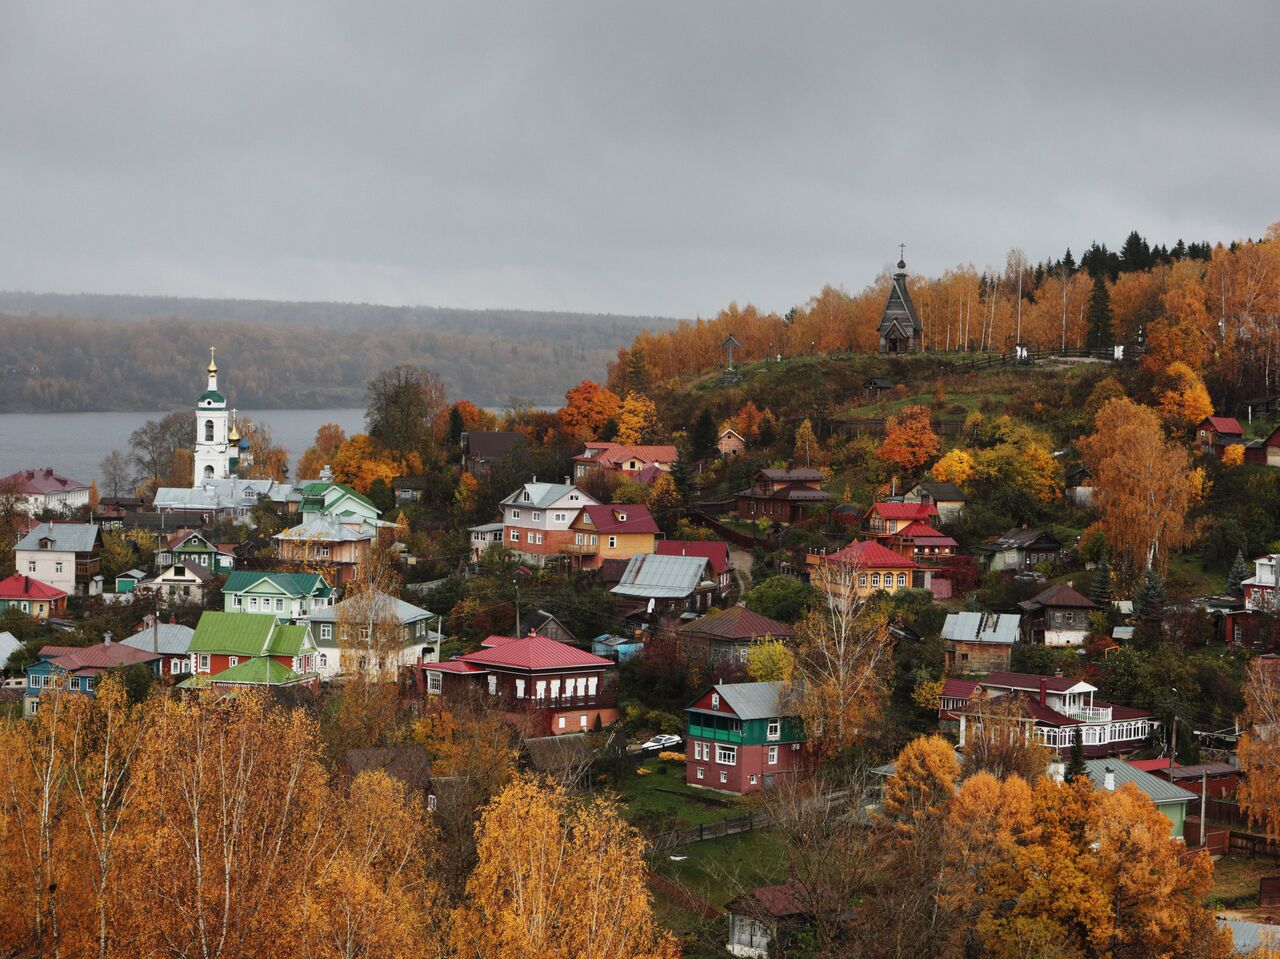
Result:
[{"x": 665, "y": 157}]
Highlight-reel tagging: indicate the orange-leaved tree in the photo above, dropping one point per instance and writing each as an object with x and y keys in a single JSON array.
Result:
[
  {"x": 1184, "y": 399},
  {"x": 909, "y": 440},
  {"x": 957, "y": 466},
  {"x": 329, "y": 439},
  {"x": 637, "y": 420},
  {"x": 587, "y": 408},
  {"x": 1259, "y": 749}
]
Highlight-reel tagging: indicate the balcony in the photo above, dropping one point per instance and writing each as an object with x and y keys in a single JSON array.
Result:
[
  {"x": 1090, "y": 714},
  {"x": 717, "y": 735}
]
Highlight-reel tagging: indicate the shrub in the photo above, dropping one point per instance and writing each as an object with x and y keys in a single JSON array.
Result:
[{"x": 671, "y": 757}]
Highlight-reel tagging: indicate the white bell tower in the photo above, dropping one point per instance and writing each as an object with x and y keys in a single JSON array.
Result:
[{"x": 212, "y": 452}]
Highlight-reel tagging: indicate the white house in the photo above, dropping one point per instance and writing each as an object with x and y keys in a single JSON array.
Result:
[
  {"x": 352, "y": 621},
  {"x": 62, "y": 555},
  {"x": 179, "y": 583},
  {"x": 44, "y": 489}
]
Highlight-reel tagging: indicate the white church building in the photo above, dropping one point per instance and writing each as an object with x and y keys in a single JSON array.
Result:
[{"x": 216, "y": 491}]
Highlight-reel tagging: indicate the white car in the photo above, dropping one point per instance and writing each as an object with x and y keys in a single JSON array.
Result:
[{"x": 658, "y": 743}]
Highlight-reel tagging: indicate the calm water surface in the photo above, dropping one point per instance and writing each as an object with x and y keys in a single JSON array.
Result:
[{"x": 75, "y": 443}]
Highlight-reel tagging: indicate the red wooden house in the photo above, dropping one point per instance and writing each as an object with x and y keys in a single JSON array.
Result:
[
  {"x": 1216, "y": 433},
  {"x": 743, "y": 738},
  {"x": 1264, "y": 452},
  {"x": 783, "y": 495},
  {"x": 545, "y": 686},
  {"x": 886, "y": 519}
]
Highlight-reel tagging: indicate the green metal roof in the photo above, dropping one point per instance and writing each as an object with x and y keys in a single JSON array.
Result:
[
  {"x": 236, "y": 634},
  {"x": 291, "y": 584},
  {"x": 287, "y": 641},
  {"x": 211, "y": 395},
  {"x": 261, "y": 669},
  {"x": 319, "y": 491},
  {"x": 1159, "y": 791}
]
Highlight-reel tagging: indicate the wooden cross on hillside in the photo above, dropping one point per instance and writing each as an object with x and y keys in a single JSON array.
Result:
[{"x": 729, "y": 344}]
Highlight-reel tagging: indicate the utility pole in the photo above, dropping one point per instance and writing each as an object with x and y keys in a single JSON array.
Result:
[
  {"x": 1173, "y": 749},
  {"x": 516, "y": 584},
  {"x": 1204, "y": 803}
]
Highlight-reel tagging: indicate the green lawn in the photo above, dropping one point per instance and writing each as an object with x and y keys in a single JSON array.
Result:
[
  {"x": 663, "y": 802},
  {"x": 1235, "y": 880},
  {"x": 717, "y": 870},
  {"x": 1186, "y": 578}
]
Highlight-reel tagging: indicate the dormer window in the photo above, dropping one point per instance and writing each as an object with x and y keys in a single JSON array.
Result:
[
  {"x": 526, "y": 496},
  {"x": 715, "y": 700},
  {"x": 622, "y": 517}
]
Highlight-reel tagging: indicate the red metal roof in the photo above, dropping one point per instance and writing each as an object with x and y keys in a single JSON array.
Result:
[
  {"x": 103, "y": 656},
  {"x": 868, "y": 554},
  {"x": 917, "y": 528},
  {"x": 958, "y": 688},
  {"x": 904, "y": 510},
  {"x": 1031, "y": 681},
  {"x": 536, "y": 652},
  {"x": 19, "y": 586},
  {"x": 1150, "y": 765},
  {"x": 714, "y": 552},
  {"x": 736, "y": 622},
  {"x": 1224, "y": 424},
  {"x": 453, "y": 666},
  {"x": 41, "y": 481},
  {"x": 618, "y": 518}
]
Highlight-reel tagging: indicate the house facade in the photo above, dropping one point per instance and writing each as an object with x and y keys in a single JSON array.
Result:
[
  {"x": 740, "y": 738},
  {"x": 287, "y": 596},
  {"x": 1021, "y": 549},
  {"x": 325, "y": 541},
  {"x": 782, "y": 495},
  {"x": 1215, "y": 433},
  {"x": 27, "y": 595},
  {"x": 231, "y": 650},
  {"x": 605, "y": 532},
  {"x": 169, "y": 641},
  {"x": 921, "y": 542},
  {"x": 78, "y": 669},
  {"x": 337, "y": 500},
  {"x": 666, "y": 585},
  {"x": 889, "y": 518},
  {"x": 194, "y": 546},
  {"x": 182, "y": 583},
  {"x": 623, "y": 459},
  {"x": 948, "y": 498},
  {"x": 404, "y": 634},
  {"x": 863, "y": 568},
  {"x": 979, "y": 643},
  {"x": 1053, "y": 707},
  {"x": 537, "y": 520},
  {"x": 543, "y": 686},
  {"x": 1264, "y": 452},
  {"x": 38, "y": 490},
  {"x": 1059, "y": 616},
  {"x": 730, "y": 443},
  {"x": 62, "y": 555},
  {"x": 725, "y": 635},
  {"x": 484, "y": 536}
]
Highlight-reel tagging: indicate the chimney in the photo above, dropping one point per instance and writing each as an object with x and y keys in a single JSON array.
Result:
[
  {"x": 1058, "y": 672},
  {"x": 1044, "y": 689},
  {"x": 1109, "y": 780},
  {"x": 106, "y": 638},
  {"x": 566, "y": 481}
]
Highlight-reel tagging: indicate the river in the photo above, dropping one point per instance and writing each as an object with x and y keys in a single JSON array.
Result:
[{"x": 73, "y": 444}]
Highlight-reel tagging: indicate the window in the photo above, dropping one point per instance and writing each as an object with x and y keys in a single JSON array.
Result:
[
  {"x": 57, "y": 567},
  {"x": 752, "y": 779},
  {"x": 433, "y": 682},
  {"x": 515, "y": 513},
  {"x": 31, "y": 566},
  {"x": 208, "y": 431},
  {"x": 613, "y": 542},
  {"x": 775, "y": 729},
  {"x": 515, "y": 536},
  {"x": 539, "y": 538},
  {"x": 724, "y": 776},
  {"x": 773, "y": 755},
  {"x": 875, "y": 579},
  {"x": 236, "y": 601},
  {"x": 204, "y": 662},
  {"x": 26, "y": 606},
  {"x": 75, "y": 683},
  {"x": 326, "y": 631},
  {"x": 726, "y": 755},
  {"x": 324, "y": 659},
  {"x": 715, "y": 700},
  {"x": 561, "y": 722},
  {"x": 175, "y": 666},
  {"x": 902, "y": 580},
  {"x": 233, "y": 661},
  {"x": 582, "y": 721},
  {"x": 519, "y": 689},
  {"x": 701, "y": 772},
  {"x": 559, "y": 517},
  {"x": 493, "y": 685},
  {"x": 537, "y": 516},
  {"x": 324, "y": 552},
  {"x": 431, "y": 804},
  {"x": 279, "y": 604},
  {"x": 253, "y": 602},
  {"x": 862, "y": 580}
]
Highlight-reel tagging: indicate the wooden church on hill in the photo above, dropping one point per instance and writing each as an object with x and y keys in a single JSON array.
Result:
[{"x": 900, "y": 327}]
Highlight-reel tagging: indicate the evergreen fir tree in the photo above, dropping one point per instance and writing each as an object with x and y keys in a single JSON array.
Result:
[
  {"x": 1069, "y": 261},
  {"x": 1148, "y": 601},
  {"x": 704, "y": 434},
  {"x": 1135, "y": 255},
  {"x": 1238, "y": 574},
  {"x": 683, "y": 478},
  {"x": 456, "y": 426},
  {"x": 1076, "y": 766},
  {"x": 609, "y": 430},
  {"x": 1100, "y": 335},
  {"x": 1100, "y": 588}
]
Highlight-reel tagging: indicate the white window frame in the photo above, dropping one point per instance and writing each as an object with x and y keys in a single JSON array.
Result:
[
  {"x": 613, "y": 542},
  {"x": 773, "y": 756},
  {"x": 203, "y": 660},
  {"x": 233, "y": 661},
  {"x": 715, "y": 700},
  {"x": 726, "y": 755},
  {"x": 774, "y": 730},
  {"x": 237, "y": 601},
  {"x": 433, "y": 681},
  {"x": 515, "y": 514},
  {"x": 536, "y": 516},
  {"x": 515, "y": 536},
  {"x": 724, "y": 777},
  {"x": 700, "y": 772}
]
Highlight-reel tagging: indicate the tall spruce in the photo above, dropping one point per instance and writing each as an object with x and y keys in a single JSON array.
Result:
[
  {"x": 1237, "y": 575},
  {"x": 1075, "y": 765},
  {"x": 1148, "y": 601},
  {"x": 1100, "y": 332},
  {"x": 1100, "y": 588},
  {"x": 704, "y": 434}
]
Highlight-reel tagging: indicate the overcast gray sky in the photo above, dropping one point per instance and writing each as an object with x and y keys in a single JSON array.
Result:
[{"x": 625, "y": 157}]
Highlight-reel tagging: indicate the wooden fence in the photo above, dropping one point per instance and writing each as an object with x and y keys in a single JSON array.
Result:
[{"x": 712, "y": 830}]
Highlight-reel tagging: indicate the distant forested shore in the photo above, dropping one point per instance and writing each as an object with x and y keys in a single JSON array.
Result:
[{"x": 88, "y": 352}]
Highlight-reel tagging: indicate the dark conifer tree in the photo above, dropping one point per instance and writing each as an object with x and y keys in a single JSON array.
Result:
[
  {"x": 1100, "y": 588},
  {"x": 1238, "y": 574},
  {"x": 1100, "y": 333},
  {"x": 1076, "y": 766}
]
